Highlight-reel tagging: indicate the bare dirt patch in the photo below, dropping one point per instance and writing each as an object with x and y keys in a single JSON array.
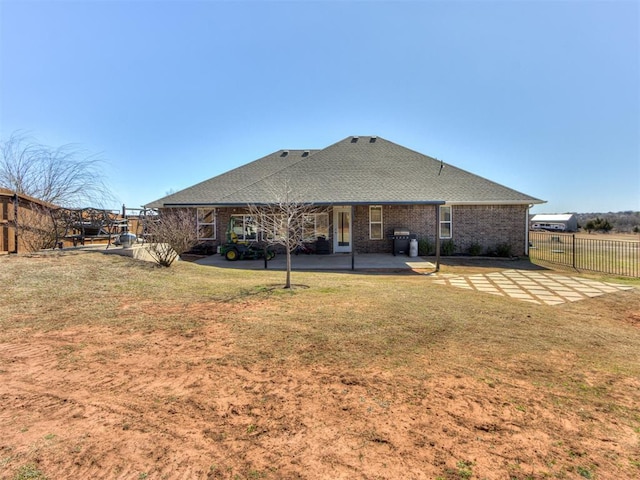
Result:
[{"x": 334, "y": 381}]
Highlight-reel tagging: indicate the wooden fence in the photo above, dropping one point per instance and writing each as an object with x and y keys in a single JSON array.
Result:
[{"x": 614, "y": 257}]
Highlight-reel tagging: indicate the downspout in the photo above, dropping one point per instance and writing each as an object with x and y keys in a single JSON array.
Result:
[
  {"x": 353, "y": 242},
  {"x": 437, "y": 238},
  {"x": 526, "y": 231}
]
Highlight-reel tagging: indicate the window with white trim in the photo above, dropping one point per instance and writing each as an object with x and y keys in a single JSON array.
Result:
[
  {"x": 243, "y": 228},
  {"x": 445, "y": 221},
  {"x": 206, "y": 223},
  {"x": 375, "y": 222},
  {"x": 316, "y": 225}
]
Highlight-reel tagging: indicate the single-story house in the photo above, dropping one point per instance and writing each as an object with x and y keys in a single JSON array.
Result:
[
  {"x": 564, "y": 222},
  {"x": 371, "y": 188}
]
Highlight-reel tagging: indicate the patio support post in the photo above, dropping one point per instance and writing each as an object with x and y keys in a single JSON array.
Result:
[
  {"x": 264, "y": 251},
  {"x": 437, "y": 238},
  {"x": 353, "y": 242}
]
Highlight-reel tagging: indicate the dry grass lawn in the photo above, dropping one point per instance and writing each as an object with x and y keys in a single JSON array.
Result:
[{"x": 115, "y": 368}]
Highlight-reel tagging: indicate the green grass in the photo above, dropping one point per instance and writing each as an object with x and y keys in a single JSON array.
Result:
[{"x": 29, "y": 472}]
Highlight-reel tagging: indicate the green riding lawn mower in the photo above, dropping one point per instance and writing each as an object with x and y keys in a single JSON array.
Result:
[{"x": 242, "y": 242}]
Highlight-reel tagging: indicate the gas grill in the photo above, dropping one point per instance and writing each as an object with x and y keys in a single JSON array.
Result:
[{"x": 401, "y": 237}]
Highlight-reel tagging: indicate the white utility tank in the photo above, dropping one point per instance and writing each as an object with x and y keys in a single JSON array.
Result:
[{"x": 413, "y": 247}]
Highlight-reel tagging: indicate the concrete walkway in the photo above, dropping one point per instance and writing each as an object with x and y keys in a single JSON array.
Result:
[{"x": 533, "y": 284}]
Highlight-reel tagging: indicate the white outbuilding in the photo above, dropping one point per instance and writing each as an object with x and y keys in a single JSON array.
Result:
[{"x": 564, "y": 222}]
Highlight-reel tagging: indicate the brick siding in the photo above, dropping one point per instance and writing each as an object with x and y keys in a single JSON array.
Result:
[
  {"x": 485, "y": 225},
  {"x": 418, "y": 219},
  {"x": 489, "y": 226}
]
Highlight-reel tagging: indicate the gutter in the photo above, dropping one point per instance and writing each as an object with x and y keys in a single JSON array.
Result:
[
  {"x": 502, "y": 202},
  {"x": 324, "y": 204}
]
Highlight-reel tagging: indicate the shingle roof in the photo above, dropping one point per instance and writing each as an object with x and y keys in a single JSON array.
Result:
[{"x": 354, "y": 170}]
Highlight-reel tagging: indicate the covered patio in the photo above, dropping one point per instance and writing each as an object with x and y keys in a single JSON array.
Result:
[{"x": 365, "y": 261}]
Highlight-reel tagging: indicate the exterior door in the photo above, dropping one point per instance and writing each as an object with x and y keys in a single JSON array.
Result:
[{"x": 342, "y": 229}]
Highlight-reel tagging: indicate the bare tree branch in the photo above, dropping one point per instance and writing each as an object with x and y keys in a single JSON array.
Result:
[
  {"x": 66, "y": 176},
  {"x": 285, "y": 221},
  {"x": 172, "y": 233}
]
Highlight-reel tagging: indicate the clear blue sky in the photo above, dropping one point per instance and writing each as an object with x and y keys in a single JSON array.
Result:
[{"x": 541, "y": 96}]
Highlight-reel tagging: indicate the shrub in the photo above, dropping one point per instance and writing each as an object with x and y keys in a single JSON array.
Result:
[
  {"x": 474, "y": 249},
  {"x": 202, "y": 248},
  {"x": 172, "y": 233},
  {"x": 425, "y": 247},
  {"x": 503, "y": 250},
  {"x": 447, "y": 247}
]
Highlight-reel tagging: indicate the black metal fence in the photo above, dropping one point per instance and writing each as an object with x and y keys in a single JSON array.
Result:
[{"x": 615, "y": 257}]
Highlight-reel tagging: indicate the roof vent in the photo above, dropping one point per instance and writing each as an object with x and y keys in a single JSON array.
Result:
[
  {"x": 373, "y": 139},
  {"x": 305, "y": 153},
  {"x": 354, "y": 139},
  {"x": 284, "y": 153}
]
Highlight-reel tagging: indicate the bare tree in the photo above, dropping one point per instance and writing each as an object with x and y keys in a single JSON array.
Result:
[
  {"x": 286, "y": 221},
  {"x": 171, "y": 233},
  {"x": 65, "y": 176}
]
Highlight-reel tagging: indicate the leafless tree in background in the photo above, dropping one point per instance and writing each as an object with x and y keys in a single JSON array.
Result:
[
  {"x": 65, "y": 176},
  {"x": 285, "y": 222},
  {"x": 171, "y": 233}
]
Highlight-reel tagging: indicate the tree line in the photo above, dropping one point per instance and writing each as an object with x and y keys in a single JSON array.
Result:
[{"x": 622, "y": 222}]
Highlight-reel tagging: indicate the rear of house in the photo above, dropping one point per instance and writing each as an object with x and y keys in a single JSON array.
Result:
[{"x": 370, "y": 188}]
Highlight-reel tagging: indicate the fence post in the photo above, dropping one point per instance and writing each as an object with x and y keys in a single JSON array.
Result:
[
  {"x": 573, "y": 249},
  {"x": 16, "y": 209}
]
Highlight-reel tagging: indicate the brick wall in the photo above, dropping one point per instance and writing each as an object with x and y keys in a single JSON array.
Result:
[
  {"x": 486, "y": 225},
  {"x": 418, "y": 219},
  {"x": 489, "y": 226}
]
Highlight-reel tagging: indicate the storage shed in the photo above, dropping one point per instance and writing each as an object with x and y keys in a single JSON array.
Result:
[{"x": 565, "y": 222}]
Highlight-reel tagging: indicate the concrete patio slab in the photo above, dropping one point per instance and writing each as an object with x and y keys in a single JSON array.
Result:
[{"x": 338, "y": 262}]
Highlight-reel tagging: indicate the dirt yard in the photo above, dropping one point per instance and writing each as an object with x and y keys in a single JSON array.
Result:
[{"x": 148, "y": 383}]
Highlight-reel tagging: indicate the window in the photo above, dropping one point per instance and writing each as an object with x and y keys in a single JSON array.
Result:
[
  {"x": 445, "y": 221},
  {"x": 316, "y": 225},
  {"x": 375, "y": 222},
  {"x": 206, "y": 223},
  {"x": 274, "y": 228},
  {"x": 243, "y": 228}
]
